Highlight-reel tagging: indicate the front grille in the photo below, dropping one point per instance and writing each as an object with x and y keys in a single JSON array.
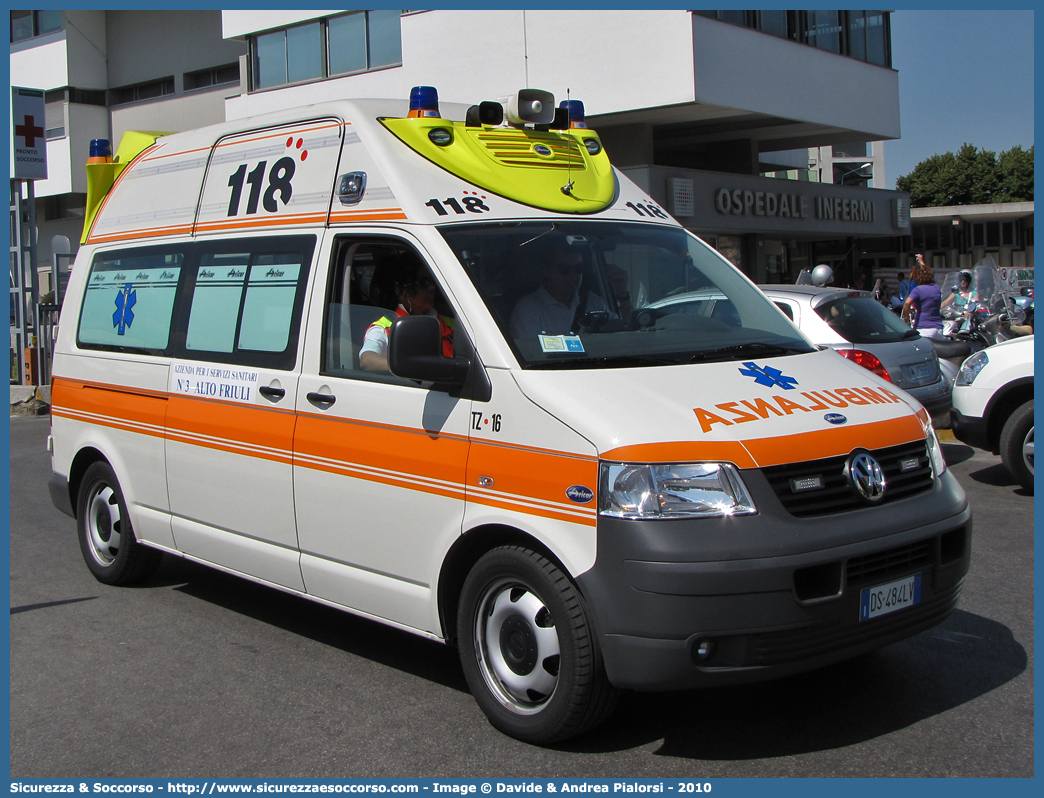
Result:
[
  {"x": 836, "y": 495},
  {"x": 881, "y": 566},
  {"x": 776, "y": 648}
]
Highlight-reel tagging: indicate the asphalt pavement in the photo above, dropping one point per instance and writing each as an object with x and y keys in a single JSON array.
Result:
[{"x": 199, "y": 674}]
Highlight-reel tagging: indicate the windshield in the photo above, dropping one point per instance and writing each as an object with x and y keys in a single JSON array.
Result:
[
  {"x": 861, "y": 320},
  {"x": 988, "y": 291},
  {"x": 589, "y": 294}
]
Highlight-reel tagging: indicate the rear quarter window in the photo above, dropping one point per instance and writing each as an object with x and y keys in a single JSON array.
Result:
[
  {"x": 861, "y": 320},
  {"x": 236, "y": 301},
  {"x": 129, "y": 300}
]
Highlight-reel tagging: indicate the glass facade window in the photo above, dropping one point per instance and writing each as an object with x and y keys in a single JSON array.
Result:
[
  {"x": 931, "y": 237},
  {"x": 993, "y": 234},
  {"x": 304, "y": 53},
  {"x": 347, "y": 37},
  {"x": 824, "y": 30},
  {"x": 773, "y": 23},
  {"x": 270, "y": 60},
  {"x": 217, "y": 76},
  {"x": 142, "y": 91},
  {"x": 863, "y": 35},
  {"x": 385, "y": 38},
  {"x": 944, "y": 236},
  {"x": 1008, "y": 237},
  {"x": 853, "y": 149},
  {"x": 340, "y": 45},
  {"x": 28, "y": 24}
]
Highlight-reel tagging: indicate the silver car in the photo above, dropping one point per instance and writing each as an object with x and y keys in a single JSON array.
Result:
[{"x": 862, "y": 330}]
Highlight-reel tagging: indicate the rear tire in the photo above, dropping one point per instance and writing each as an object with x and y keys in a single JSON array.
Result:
[
  {"x": 1016, "y": 445},
  {"x": 107, "y": 541},
  {"x": 528, "y": 649}
]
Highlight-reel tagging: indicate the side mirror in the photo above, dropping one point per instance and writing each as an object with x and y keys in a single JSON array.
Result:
[{"x": 415, "y": 352}]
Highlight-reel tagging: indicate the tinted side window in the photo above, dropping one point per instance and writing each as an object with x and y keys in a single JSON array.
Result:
[
  {"x": 129, "y": 300},
  {"x": 244, "y": 302},
  {"x": 369, "y": 279}
]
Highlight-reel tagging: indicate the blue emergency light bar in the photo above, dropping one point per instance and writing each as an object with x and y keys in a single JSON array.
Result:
[{"x": 424, "y": 102}]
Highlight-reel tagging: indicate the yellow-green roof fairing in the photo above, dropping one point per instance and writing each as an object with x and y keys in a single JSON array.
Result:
[{"x": 522, "y": 164}]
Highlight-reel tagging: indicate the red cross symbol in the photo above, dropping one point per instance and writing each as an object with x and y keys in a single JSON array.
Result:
[{"x": 30, "y": 131}]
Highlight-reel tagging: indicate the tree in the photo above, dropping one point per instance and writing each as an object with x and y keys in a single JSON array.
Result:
[
  {"x": 1016, "y": 175},
  {"x": 970, "y": 177}
]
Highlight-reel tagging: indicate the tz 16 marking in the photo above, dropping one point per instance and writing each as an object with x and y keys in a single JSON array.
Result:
[
  {"x": 492, "y": 422},
  {"x": 472, "y": 204}
]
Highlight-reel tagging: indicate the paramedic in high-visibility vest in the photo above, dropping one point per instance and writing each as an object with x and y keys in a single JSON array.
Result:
[{"x": 417, "y": 292}]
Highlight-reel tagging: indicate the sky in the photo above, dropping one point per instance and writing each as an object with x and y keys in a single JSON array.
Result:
[{"x": 964, "y": 77}]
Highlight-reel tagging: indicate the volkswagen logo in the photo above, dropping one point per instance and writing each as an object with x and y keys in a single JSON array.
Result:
[{"x": 865, "y": 475}]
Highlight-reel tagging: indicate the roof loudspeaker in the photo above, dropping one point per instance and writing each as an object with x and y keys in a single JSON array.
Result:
[{"x": 529, "y": 107}]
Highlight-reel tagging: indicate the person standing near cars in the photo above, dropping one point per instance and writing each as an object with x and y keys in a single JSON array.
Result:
[{"x": 921, "y": 310}]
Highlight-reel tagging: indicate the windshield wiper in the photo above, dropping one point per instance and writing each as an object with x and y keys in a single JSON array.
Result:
[
  {"x": 739, "y": 351},
  {"x": 618, "y": 361},
  {"x": 910, "y": 334}
]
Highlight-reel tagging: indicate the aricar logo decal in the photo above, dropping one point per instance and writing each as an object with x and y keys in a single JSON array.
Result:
[
  {"x": 579, "y": 494},
  {"x": 759, "y": 409}
]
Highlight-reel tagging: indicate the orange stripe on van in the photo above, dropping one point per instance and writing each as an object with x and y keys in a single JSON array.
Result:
[
  {"x": 112, "y": 406},
  {"x": 535, "y": 510},
  {"x": 282, "y": 132},
  {"x": 834, "y": 441},
  {"x": 343, "y": 443},
  {"x": 228, "y": 426},
  {"x": 145, "y": 232},
  {"x": 381, "y": 214},
  {"x": 265, "y": 221},
  {"x": 539, "y": 474},
  {"x": 176, "y": 154}
]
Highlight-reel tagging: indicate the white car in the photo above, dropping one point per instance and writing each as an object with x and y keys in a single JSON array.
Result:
[{"x": 993, "y": 405}]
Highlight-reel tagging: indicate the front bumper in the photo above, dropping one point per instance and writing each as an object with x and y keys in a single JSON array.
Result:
[
  {"x": 58, "y": 487},
  {"x": 971, "y": 430},
  {"x": 774, "y": 594}
]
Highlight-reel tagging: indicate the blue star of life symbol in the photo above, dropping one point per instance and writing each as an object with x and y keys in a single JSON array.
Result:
[
  {"x": 124, "y": 315},
  {"x": 766, "y": 375}
]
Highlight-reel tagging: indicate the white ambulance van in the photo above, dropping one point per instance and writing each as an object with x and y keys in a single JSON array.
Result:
[{"x": 449, "y": 370}]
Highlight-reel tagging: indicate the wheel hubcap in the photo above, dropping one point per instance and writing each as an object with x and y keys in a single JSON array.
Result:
[
  {"x": 103, "y": 524},
  {"x": 1027, "y": 450},
  {"x": 517, "y": 647}
]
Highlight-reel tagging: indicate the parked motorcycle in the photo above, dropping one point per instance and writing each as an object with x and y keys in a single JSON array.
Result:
[{"x": 982, "y": 321}]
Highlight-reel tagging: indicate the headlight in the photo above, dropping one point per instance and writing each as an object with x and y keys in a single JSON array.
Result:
[
  {"x": 971, "y": 367},
  {"x": 935, "y": 453},
  {"x": 701, "y": 490}
]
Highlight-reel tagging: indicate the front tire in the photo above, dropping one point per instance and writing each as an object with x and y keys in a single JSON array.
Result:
[
  {"x": 107, "y": 541},
  {"x": 1016, "y": 445},
  {"x": 528, "y": 649}
]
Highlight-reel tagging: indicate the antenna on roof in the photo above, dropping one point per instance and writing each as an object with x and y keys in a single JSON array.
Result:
[{"x": 567, "y": 189}]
